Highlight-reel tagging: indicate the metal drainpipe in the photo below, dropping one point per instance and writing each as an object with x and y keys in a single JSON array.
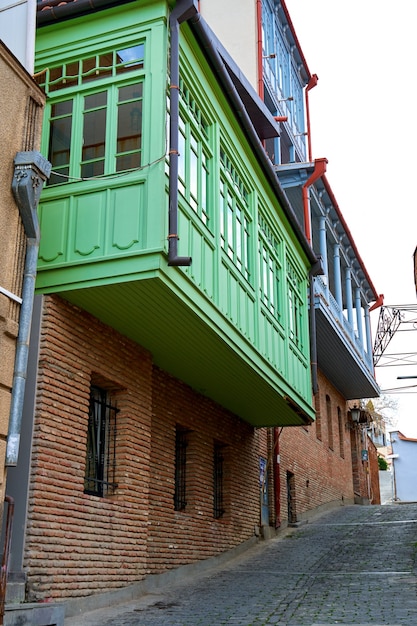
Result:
[
  {"x": 319, "y": 170},
  {"x": 313, "y": 339},
  {"x": 277, "y": 476},
  {"x": 311, "y": 83},
  {"x": 31, "y": 171},
  {"x": 259, "y": 48},
  {"x": 316, "y": 270},
  {"x": 184, "y": 9}
]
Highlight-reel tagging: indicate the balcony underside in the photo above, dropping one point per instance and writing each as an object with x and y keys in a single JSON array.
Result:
[
  {"x": 340, "y": 362},
  {"x": 193, "y": 348}
]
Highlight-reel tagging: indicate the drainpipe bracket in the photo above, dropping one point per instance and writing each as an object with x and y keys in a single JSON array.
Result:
[
  {"x": 183, "y": 11},
  {"x": 318, "y": 268},
  {"x": 31, "y": 170}
]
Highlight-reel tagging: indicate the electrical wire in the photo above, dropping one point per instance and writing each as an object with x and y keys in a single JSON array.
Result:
[{"x": 110, "y": 176}]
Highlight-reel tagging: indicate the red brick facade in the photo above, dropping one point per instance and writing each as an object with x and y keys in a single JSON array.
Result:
[
  {"x": 78, "y": 544},
  {"x": 318, "y": 457}
]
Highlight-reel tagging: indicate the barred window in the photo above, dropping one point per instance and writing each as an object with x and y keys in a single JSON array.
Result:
[
  {"x": 181, "y": 443},
  {"x": 218, "y": 481},
  {"x": 341, "y": 433},
  {"x": 100, "y": 464},
  {"x": 329, "y": 422}
]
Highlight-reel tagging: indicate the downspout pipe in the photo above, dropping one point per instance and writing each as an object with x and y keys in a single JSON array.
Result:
[
  {"x": 316, "y": 270},
  {"x": 277, "y": 476},
  {"x": 183, "y": 11},
  {"x": 259, "y": 49},
  {"x": 30, "y": 172},
  {"x": 310, "y": 85},
  {"x": 320, "y": 166}
]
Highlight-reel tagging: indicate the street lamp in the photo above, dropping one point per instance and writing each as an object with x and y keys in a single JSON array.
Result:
[{"x": 355, "y": 413}]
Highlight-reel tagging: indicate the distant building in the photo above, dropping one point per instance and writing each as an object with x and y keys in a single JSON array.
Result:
[{"x": 404, "y": 455}]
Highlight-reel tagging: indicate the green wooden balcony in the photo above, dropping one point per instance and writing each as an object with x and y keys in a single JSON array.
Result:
[{"x": 233, "y": 325}]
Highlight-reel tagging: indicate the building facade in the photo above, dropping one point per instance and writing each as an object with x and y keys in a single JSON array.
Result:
[
  {"x": 172, "y": 318},
  {"x": 179, "y": 323},
  {"x": 267, "y": 49}
]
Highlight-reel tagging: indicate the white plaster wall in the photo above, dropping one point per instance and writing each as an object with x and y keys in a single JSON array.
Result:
[
  {"x": 234, "y": 23},
  {"x": 17, "y": 29}
]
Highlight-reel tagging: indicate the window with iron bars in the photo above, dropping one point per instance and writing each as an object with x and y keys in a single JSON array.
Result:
[
  {"x": 181, "y": 443},
  {"x": 100, "y": 466},
  {"x": 218, "y": 481}
]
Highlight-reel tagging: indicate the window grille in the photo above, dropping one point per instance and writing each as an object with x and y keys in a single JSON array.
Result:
[
  {"x": 218, "y": 481},
  {"x": 341, "y": 433},
  {"x": 181, "y": 443},
  {"x": 100, "y": 467},
  {"x": 329, "y": 422}
]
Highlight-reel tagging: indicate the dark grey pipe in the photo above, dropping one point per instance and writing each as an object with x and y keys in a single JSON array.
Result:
[
  {"x": 183, "y": 10},
  {"x": 31, "y": 171},
  {"x": 316, "y": 270},
  {"x": 313, "y": 339},
  {"x": 22, "y": 351}
]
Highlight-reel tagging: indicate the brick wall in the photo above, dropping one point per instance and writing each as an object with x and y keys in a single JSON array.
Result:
[
  {"x": 375, "y": 495},
  {"x": 78, "y": 544},
  {"x": 321, "y": 474},
  {"x": 178, "y": 537}
]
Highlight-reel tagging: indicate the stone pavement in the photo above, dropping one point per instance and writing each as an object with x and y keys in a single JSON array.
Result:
[{"x": 355, "y": 566}]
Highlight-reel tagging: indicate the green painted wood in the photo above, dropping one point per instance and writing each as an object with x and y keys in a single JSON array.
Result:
[{"x": 104, "y": 241}]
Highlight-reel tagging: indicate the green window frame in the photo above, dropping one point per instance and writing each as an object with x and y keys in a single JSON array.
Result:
[
  {"x": 296, "y": 306},
  {"x": 107, "y": 64},
  {"x": 235, "y": 221},
  {"x": 270, "y": 264},
  {"x": 96, "y": 131},
  {"x": 194, "y": 155}
]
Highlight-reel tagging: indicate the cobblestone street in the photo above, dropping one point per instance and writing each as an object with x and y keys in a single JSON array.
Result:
[{"x": 355, "y": 566}]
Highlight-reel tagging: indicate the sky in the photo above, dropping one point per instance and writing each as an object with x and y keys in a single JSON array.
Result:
[{"x": 363, "y": 120}]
